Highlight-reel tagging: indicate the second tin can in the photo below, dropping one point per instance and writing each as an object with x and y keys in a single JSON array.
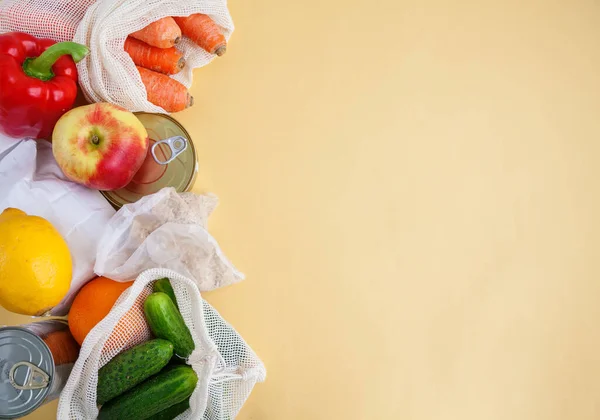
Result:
[{"x": 35, "y": 362}]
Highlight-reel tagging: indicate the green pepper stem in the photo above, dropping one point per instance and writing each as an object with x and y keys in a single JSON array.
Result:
[{"x": 41, "y": 67}]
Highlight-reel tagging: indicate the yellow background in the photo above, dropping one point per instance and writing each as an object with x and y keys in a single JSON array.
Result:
[{"x": 411, "y": 188}]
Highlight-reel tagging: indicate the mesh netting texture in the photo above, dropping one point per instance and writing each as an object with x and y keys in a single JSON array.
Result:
[
  {"x": 238, "y": 369},
  {"x": 226, "y": 366},
  {"x": 108, "y": 74}
]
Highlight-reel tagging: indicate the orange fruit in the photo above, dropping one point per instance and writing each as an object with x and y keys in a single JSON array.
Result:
[{"x": 93, "y": 302}]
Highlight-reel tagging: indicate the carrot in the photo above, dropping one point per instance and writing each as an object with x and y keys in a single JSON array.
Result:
[
  {"x": 164, "y": 33},
  {"x": 63, "y": 347},
  {"x": 203, "y": 31},
  {"x": 162, "y": 60},
  {"x": 165, "y": 92}
]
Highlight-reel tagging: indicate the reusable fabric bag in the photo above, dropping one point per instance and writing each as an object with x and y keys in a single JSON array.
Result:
[
  {"x": 226, "y": 366},
  {"x": 108, "y": 74},
  {"x": 165, "y": 229}
]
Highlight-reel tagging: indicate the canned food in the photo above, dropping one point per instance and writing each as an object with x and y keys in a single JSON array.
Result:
[
  {"x": 171, "y": 161},
  {"x": 35, "y": 362}
]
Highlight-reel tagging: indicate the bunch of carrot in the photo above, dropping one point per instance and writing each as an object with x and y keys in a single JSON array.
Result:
[{"x": 153, "y": 51}]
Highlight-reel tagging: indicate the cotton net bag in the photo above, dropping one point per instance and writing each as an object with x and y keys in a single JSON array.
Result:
[
  {"x": 226, "y": 366},
  {"x": 108, "y": 74}
]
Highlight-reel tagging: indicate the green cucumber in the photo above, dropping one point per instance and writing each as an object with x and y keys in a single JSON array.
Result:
[
  {"x": 169, "y": 387},
  {"x": 164, "y": 285},
  {"x": 166, "y": 322},
  {"x": 132, "y": 367},
  {"x": 172, "y": 412}
]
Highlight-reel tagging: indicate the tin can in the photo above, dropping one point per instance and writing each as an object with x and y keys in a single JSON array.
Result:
[
  {"x": 163, "y": 167},
  {"x": 35, "y": 362}
]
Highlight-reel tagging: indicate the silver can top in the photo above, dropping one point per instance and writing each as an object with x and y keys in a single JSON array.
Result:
[{"x": 26, "y": 372}]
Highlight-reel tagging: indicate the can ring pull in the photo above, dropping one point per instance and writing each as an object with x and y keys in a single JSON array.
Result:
[
  {"x": 38, "y": 379},
  {"x": 177, "y": 145}
]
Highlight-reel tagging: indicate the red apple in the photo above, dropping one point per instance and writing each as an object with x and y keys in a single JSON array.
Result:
[{"x": 101, "y": 145}]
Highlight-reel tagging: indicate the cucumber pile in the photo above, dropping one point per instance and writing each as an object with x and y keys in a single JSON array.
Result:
[{"x": 140, "y": 383}]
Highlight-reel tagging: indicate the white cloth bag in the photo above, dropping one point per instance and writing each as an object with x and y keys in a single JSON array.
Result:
[
  {"x": 31, "y": 180},
  {"x": 169, "y": 230},
  {"x": 226, "y": 366},
  {"x": 108, "y": 74}
]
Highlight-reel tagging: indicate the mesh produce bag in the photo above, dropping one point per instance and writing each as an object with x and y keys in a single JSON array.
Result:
[
  {"x": 226, "y": 366},
  {"x": 108, "y": 74},
  {"x": 239, "y": 369}
]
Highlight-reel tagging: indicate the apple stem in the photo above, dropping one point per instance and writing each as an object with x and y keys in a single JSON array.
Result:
[
  {"x": 41, "y": 67},
  {"x": 95, "y": 140}
]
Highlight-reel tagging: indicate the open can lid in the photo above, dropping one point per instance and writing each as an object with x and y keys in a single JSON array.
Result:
[
  {"x": 178, "y": 170},
  {"x": 26, "y": 372}
]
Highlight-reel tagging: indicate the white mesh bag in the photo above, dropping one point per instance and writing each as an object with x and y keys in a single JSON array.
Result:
[
  {"x": 108, "y": 74},
  {"x": 226, "y": 366},
  {"x": 239, "y": 369}
]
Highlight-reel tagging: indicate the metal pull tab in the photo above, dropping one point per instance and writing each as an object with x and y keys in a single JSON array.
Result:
[
  {"x": 38, "y": 379},
  {"x": 177, "y": 145}
]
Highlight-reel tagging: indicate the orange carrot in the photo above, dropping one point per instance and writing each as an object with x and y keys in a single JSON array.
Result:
[
  {"x": 63, "y": 347},
  {"x": 162, "y": 60},
  {"x": 164, "y": 33},
  {"x": 203, "y": 31},
  {"x": 165, "y": 92}
]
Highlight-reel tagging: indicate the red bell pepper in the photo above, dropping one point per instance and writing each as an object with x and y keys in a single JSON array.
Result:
[{"x": 38, "y": 83}]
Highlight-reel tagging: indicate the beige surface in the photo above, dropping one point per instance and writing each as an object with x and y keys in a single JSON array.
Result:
[{"x": 411, "y": 189}]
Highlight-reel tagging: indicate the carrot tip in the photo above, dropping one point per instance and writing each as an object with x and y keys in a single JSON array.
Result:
[{"x": 221, "y": 50}]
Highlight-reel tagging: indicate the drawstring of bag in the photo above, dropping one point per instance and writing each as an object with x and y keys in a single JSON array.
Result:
[
  {"x": 228, "y": 374},
  {"x": 222, "y": 373}
]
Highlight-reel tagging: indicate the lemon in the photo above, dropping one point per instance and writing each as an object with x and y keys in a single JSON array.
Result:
[{"x": 35, "y": 264}]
